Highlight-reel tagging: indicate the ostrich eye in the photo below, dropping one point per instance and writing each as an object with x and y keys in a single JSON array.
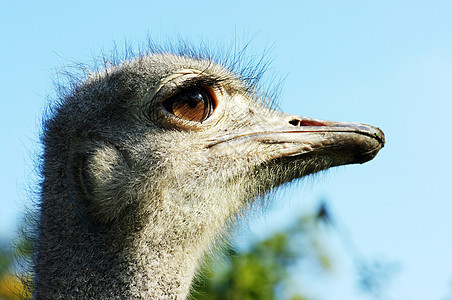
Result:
[{"x": 192, "y": 104}]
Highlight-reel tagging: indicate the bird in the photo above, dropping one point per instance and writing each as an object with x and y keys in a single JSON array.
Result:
[{"x": 147, "y": 160}]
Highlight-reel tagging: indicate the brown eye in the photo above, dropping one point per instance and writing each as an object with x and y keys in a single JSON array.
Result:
[{"x": 192, "y": 104}]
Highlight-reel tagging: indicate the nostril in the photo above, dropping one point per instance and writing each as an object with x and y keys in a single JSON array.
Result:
[
  {"x": 297, "y": 122},
  {"x": 294, "y": 122}
]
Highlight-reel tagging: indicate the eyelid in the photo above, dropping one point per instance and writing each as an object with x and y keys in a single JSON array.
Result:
[{"x": 180, "y": 80}]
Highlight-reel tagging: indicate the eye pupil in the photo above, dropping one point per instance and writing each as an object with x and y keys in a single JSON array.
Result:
[{"x": 192, "y": 104}]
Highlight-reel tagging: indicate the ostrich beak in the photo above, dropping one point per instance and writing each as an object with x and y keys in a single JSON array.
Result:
[{"x": 294, "y": 136}]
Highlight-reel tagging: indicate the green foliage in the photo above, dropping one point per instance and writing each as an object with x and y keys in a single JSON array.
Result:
[
  {"x": 263, "y": 271},
  {"x": 5, "y": 259},
  {"x": 15, "y": 258},
  {"x": 10, "y": 286}
]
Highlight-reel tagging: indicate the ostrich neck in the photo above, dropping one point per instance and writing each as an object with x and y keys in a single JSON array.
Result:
[{"x": 119, "y": 262}]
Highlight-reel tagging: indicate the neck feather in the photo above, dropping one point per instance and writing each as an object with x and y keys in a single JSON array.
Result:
[{"x": 151, "y": 260}]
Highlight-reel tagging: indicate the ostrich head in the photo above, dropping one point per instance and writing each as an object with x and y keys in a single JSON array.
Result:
[{"x": 146, "y": 162}]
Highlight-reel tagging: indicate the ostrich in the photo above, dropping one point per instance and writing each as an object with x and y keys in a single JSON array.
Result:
[{"x": 147, "y": 161}]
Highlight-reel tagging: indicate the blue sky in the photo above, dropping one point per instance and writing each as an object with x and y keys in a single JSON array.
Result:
[{"x": 386, "y": 63}]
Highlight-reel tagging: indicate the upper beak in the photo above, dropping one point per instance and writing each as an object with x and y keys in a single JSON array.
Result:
[{"x": 344, "y": 143}]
